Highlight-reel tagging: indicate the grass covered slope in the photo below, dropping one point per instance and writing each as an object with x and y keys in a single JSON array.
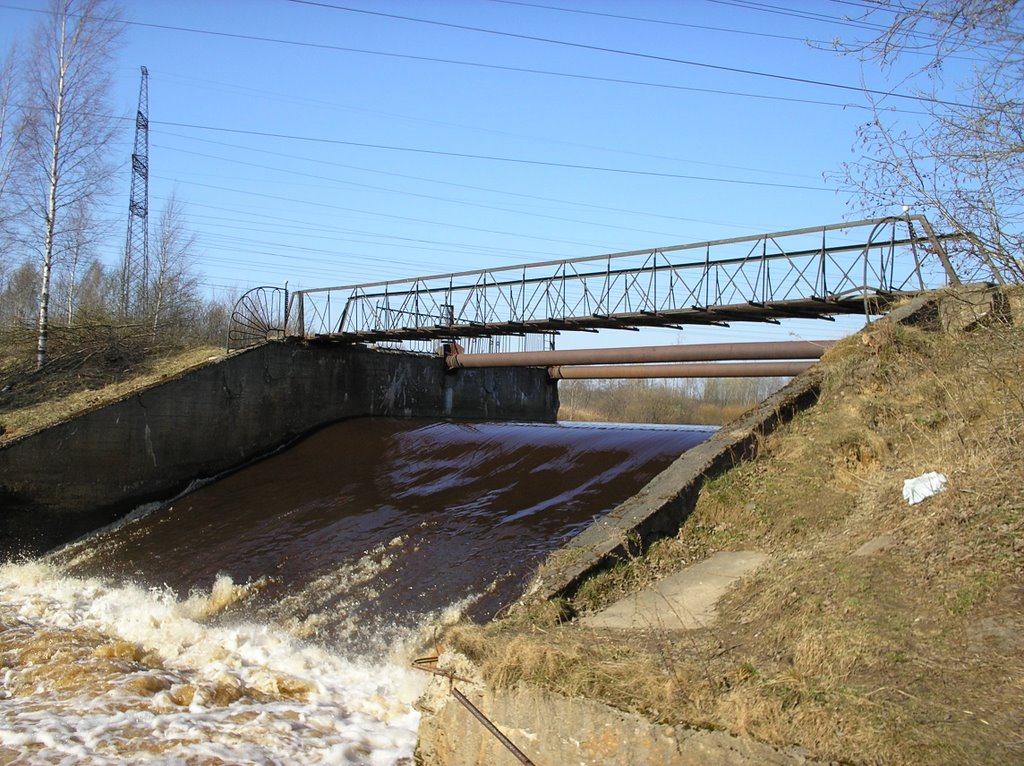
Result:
[
  {"x": 878, "y": 632},
  {"x": 88, "y": 367}
]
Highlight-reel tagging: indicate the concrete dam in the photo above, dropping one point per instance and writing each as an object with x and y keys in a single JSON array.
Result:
[
  {"x": 88, "y": 471},
  {"x": 268, "y": 615}
]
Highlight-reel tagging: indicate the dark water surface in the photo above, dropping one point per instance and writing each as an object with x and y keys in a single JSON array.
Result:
[{"x": 377, "y": 523}]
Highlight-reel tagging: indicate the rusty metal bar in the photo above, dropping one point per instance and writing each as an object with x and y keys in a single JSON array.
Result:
[
  {"x": 509, "y": 745},
  {"x": 684, "y": 370},
  {"x": 697, "y": 352},
  {"x": 429, "y": 665}
]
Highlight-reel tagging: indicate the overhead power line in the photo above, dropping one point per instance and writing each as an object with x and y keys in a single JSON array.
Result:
[
  {"x": 818, "y": 17},
  {"x": 483, "y": 65},
  {"x": 648, "y": 20},
  {"x": 488, "y": 157},
  {"x": 418, "y": 195},
  {"x": 393, "y": 216},
  {"x": 505, "y": 192},
  {"x": 632, "y": 54}
]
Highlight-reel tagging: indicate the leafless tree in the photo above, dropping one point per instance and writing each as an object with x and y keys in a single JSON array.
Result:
[
  {"x": 67, "y": 127},
  {"x": 174, "y": 291},
  {"x": 78, "y": 239},
  {"x": 17, "y": 298},
  {"x": 962, "y": 158},
  {"x": 8, "y": 153}
]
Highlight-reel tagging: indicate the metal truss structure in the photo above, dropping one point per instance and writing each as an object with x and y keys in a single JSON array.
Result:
[
  {"x": 135, "y": 267},
  {"x": 857, "y": 267}
]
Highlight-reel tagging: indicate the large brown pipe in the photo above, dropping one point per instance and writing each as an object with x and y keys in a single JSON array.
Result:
[
  {"x": 698, "y": 352},
  {"x": 690, "y": 370}
]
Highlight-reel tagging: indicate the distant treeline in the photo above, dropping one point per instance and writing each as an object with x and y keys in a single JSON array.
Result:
[{"x": 699, "y": 402}]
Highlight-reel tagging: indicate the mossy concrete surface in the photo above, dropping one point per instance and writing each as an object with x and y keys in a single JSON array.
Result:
[{"x": 551, "y": 729}]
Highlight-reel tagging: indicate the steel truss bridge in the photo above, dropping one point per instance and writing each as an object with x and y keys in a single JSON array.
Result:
[{"x": 845, "y": 268}]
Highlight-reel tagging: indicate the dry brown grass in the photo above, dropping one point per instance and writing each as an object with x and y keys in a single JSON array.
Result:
[
  {"x": 651, "y": 401},
  {"x": 911, "y": 656},
  {"x": 88, "y": 368}
]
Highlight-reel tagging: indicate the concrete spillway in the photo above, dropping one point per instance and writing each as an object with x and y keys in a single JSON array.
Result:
[
  {"x": 370, "y": 525},
  {"x": 86, "y": 472}
]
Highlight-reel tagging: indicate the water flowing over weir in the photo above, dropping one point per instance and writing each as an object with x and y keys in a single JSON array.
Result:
[{"x": 266, "y": 617}]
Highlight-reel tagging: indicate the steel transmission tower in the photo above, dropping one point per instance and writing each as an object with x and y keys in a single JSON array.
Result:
[{"x": 135, "y": 270}]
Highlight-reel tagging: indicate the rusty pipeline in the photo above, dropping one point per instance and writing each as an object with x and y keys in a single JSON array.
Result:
[
  {"x": 697, "y": 352},
  {"x": 686, "y": 370}
]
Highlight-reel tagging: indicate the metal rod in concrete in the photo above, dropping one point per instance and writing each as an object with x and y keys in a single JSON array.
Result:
[
  {"x": 697, "y": 352},
  {"x": 687, "y": 370}
]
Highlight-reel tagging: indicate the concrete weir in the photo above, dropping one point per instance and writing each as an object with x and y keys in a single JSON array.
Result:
[{"x": 71, "y": 478}]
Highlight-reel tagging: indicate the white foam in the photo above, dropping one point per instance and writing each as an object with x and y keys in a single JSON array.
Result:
[{"x": 183, "y": 690}]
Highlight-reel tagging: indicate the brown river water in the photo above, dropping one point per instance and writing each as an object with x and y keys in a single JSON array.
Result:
[{"x": 269, "y": 616}]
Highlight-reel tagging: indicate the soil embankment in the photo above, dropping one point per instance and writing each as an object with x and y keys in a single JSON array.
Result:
[{"x": 875, "y": 632}]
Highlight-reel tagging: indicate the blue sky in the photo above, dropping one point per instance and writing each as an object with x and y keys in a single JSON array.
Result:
[{"x": 298, "y": 161}]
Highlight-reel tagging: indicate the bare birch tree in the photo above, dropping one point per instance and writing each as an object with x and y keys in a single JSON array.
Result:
[
  {"x": 174, "y": 290},
  {"x": 963, "y": 159},
  {"x": 68, "y": 130}
]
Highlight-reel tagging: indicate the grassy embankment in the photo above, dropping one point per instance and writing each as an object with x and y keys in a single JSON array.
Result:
[
  {"x": 87, "y": 368},
  {"x": 913, "y": 654}
]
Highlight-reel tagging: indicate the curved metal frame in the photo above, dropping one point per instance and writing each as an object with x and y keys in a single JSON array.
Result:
[{"x": 259, "y": 316}]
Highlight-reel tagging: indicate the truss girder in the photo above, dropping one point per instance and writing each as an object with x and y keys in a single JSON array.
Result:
[{"x": 835, "y": 269}]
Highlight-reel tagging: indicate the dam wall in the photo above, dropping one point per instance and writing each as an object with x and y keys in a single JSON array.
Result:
[{"x": 76, "y": 476}]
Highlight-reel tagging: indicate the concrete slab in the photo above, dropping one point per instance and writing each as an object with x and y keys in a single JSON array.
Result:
[
  {"x": 683, "y": 601},
  {"x": 875, "y": 546}
]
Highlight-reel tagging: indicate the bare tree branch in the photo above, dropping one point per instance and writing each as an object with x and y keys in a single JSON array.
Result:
[{"x": 964, "y": 160}]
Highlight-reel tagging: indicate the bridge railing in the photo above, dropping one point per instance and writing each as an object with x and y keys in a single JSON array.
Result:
[{"x": 838, "y": 262}]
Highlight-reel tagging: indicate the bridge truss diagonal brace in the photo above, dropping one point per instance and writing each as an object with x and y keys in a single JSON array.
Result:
[{"x": 858, "y": 266}]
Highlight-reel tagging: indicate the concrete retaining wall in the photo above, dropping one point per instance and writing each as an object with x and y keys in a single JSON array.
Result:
[
  {"x": 551, "y": 729},
  {"x": 73, "y": 477}
]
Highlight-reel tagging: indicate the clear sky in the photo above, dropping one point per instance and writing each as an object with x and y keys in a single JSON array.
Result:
[{"x": 316, "y": 142}]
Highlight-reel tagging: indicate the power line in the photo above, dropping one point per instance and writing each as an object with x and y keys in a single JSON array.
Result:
[
  {"x": 839, "y": 20},
  {"x": 334, "y": 235},
  {"x": 632, "y": 54},
  {"x": 545, "y": 72},
  {"x": 490, "y": 131},
  {"x": 414, "y": 242},
  {"x": 418, "y": 194},
  {"x": 395, "y": 217},
  {"x": 520, "y": 195},
  {"x": 488, "y": 157},
  {"x": 647, "y": 20}
]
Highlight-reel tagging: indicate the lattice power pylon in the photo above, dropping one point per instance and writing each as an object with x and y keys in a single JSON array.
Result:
[{"x": 135, "y": 269}]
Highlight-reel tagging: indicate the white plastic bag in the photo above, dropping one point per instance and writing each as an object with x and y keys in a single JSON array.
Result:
[{"x": 924, "y": 486}]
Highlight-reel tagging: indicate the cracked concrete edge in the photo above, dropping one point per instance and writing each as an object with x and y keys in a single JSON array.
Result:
[
  {"x": 660, "y": 508},
  {"x": 552, "y": 729}
]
